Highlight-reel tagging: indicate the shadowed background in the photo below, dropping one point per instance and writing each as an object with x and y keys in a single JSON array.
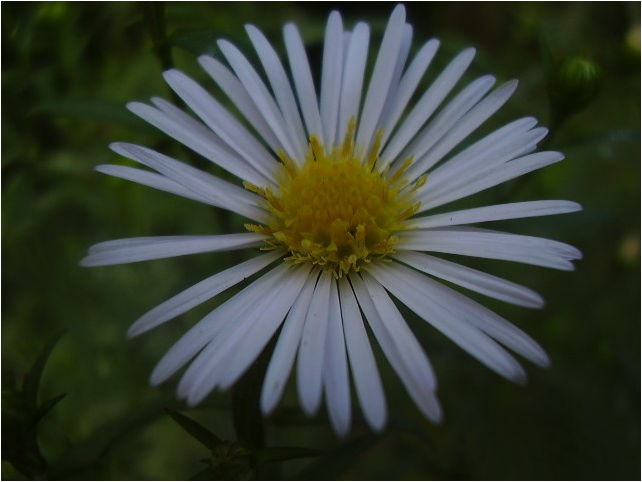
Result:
[{"x": 68, "y": 70}]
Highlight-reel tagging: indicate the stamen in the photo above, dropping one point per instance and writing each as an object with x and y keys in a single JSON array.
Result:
[{"x": 335, "y": 212}]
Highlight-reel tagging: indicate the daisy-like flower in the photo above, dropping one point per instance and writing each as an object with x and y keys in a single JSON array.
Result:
[{"x": 338, "y": 190}]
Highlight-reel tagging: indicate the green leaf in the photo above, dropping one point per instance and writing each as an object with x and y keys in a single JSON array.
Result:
[
  {"x": 45, "y": 408},
  {"x": 195, "y": 40},
  {"x": 33, "y": 376},
  {"x": 95, "y": 110},
  {"x": 280, "y": 454},
  {"x": 90, "y": 453},
  {"x": 195, "y": 429},
  {"x": 246, "y": 410},
  {"x": 334, "y": 463}
]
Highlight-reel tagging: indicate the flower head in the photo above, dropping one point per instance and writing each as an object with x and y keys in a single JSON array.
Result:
[{"x": 337, "y": 191}]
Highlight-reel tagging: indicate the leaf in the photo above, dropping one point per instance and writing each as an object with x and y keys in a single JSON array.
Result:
[
  {"x": 334, "y": 463},
  {"x": 45, "y": 408},
  {"x": 246, "y": 412},
  {"x": 33, "y": 376},
  {"x": 280, "y": 454},
  {"x": 195, "y": 429},
  {"x": 91, "y": 452},
  {"x": 195, "y": 40},
  {"x": 96, "y": 110}
]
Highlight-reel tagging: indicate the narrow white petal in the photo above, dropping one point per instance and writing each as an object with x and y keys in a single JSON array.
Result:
[
  {"x": 223, "y": 360},
  {"x": 252, "y": 340},
  {"x": 496, "y": 213},
  {"x": 404, "y": 50},
  {"x": 281, "y": 87},
  {"x": 463, "y": 127},
  {"x": 418, "y": 378},
  {"x": 214, "y": 323},
  {"x": 491, "y": 177},
  {"x": 505, "y": 144},
  {"x": 415, "y": 291},
  {"x": 480, "y": 317},
  {"x": 260, "y": 95},
  {"x": 427, "y": 105},
  {"x": 352, "y": 84},
  {"x": 130, "y": 250},
  {"x": 492, "y": 245},
  {"x": 409, "y": 348},
  {"x": 233, "y": 88},
  {"x": 152, "y": 179},
  {"x": 331, "y": 75},
  {"x": 198, "y": 138},
  {"x": 335, "y": 371},
  {"x": 362, "y": 362},
  {"x": 444, "y": 121},
  {"x": 202, "y": 184},
  {"x": 472, "y": 279},
  {"x": 224, "y": 124},
  {"x": 302, "y": 76},
  {"x": 406, "y": 88},
  {"x": 381, "y": 77},
  {"x": 311, "y": 351},
  {"x": 201, "y": 292},
  {"x": 286, "y": 348}
]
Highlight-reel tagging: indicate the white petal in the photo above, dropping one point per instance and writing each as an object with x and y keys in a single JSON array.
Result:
[
  {"x": 286, "y": 348},
  {"x": 478, "y": 316},
  {"x": 130, "y": 250},
  {"x": 311, "y": 351},
  {"x": 464, "y": 126},
  {"x": 151, "y": 179},
  {"x": 400, "y": 63},
  {"x": 198, "y": 138},
  {"x": 201, "y": 292},
  {"x": 335, "y": 370},
  {"x": 472, "y": 279},
  {"x": 492, "y": 245},
  {"x": 331, "y": 74},
  {"x": 233, "y": 88},
  {"x": 445, "y": 120},
  {"x": 281, "y": 87},
  {"x": 222, "y": 123},
  {"x": 428, "y": 103},
  {"x": 302, "y": 76},
  {"x": 399, "y": 345},
  {"x": 381, "y": 77},
  {"x": 362, "y": 362},
  {"x": 260, "y": 95},
  {"x": 252, "y": 340},
  {"x": 231, "y": 197},
  {"x": 223, "y": 360},
  {"x": 354, "y": 68},
  {"x": 414, "y": 290},
  {"x": 503, "y": 145},
  {"x": 491, "y": 177},
  {"x": 495, "y": 213},
  {"x": 214, "y": 323},
  {"x": 406, "y": 88}
]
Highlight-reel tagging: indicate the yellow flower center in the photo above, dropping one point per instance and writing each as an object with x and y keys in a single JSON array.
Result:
[{"x": 336, "y": 211}]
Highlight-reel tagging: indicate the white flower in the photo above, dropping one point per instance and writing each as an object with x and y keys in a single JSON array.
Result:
[{"x": 336, "y": 198}]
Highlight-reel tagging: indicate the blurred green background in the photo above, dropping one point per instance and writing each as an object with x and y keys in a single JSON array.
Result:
[{"x": 67, "y": 71}]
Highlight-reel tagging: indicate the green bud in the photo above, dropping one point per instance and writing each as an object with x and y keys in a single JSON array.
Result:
[{"x": 573, "y": 85}]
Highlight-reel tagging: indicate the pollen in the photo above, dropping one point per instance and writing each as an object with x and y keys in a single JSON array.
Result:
[{"x": 336, "y": 210}]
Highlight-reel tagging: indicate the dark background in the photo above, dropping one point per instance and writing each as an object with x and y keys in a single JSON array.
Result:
[{"x": 67, "y": 71}]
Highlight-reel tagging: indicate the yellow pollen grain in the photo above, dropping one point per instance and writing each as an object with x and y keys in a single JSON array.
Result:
[{"x": 334, "y": 211}]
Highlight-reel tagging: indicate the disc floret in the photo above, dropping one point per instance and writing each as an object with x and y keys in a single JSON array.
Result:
[{"x": 336, "y": 211}]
